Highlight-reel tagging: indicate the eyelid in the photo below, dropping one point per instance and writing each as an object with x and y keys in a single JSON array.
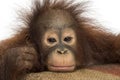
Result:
[
  {"x": 51, "y": 39},
  {"x": 68, "y": 39}
]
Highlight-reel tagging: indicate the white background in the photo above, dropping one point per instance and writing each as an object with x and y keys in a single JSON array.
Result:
[{"x": 107, "y": 12}]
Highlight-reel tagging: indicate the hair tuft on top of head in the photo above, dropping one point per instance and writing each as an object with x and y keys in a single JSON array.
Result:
[{"x": 40, "y": 6}]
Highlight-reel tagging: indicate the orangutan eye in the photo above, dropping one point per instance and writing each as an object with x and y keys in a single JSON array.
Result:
[
  {"x": 67, "y": 39},
  {"x": 51, "y": 40}
]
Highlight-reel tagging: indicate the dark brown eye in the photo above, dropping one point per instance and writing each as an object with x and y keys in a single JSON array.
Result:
[
  {"x": 67, "y": 39},
  {"x": 51, "y": 40}
]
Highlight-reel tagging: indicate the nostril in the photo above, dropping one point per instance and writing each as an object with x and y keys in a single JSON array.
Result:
[
  {"x": 65, "y": 51},
  {"x": 59, "y": 52},
  {"x": 62, "y": 52}
]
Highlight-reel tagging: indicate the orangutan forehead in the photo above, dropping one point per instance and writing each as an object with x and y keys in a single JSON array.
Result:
[{"x": 56, "y": 19}]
